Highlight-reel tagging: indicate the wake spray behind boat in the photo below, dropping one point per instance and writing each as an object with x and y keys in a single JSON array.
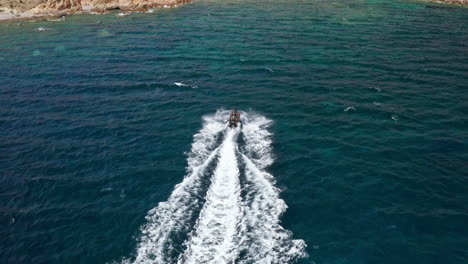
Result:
[
  {"x": 234, "y": 119},
  {"x": 233, "y": 219}
]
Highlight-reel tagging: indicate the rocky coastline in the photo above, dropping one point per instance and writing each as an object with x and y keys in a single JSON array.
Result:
[
  {"x": 454, "y": 2},
  {"x": 51, "y": 9},
  {"x": 12, "y": 10}
]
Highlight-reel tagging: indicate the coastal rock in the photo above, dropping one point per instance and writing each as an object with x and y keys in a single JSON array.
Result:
[
  {"x": 24, "y": 9},
  {"x": 54, "y": 6},
  {"x": 18, "y": 6},
  {"x": 130, "y": 4},
  {"x": 455, "y": 2},
  {"x": 10, "y": 9}
]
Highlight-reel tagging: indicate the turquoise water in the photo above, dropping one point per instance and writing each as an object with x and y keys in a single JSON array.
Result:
[{"x": 362, "y": 105}]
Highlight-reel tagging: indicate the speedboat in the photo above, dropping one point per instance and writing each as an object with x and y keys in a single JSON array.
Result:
[{"x": 234, "y": 119}]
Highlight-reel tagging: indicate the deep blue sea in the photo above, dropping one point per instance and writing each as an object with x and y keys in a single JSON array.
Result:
[{"x": 353, "y": 146}]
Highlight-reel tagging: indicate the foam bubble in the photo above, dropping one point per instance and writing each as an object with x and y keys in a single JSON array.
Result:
[
  {"x": 108, "y": 189},
  {"x": 185, "y": 85}
]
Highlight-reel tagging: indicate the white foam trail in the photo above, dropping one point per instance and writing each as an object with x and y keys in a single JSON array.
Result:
[
  {"x": 215, "y": 237},
  {"x": 180, "y": 84},
  {"x": 349, "y": 108},
  {"x": 206, "y": 139},
  {"x": 229, "y": 229},
  {"x": 266, "y": 241},
  {"x": 173, "y": 216},
  {"x": 185, "y": 85},
  {"x": 257, "y": 139}
]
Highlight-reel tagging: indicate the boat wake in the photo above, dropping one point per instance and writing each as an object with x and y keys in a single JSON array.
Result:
[{"x": 227, "y": 209}]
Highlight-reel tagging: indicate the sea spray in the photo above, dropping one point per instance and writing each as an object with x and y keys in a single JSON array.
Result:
[
  {"x": 215, "y": 238},
  {"x": 173, "y": 216},
  {"x": 265, "y": 240},
  {"x": 227, "y": 225},
  {"x": 257, "y": 139}
]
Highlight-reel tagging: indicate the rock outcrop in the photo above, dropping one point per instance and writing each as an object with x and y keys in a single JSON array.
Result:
[
  {"x": 24, "y": 9},
  {"x": 129, "y": 4},
  {"x": 53, "y": 6},
  {"x": 456, "y": 2},
  {"x": 11, "y": 9}
]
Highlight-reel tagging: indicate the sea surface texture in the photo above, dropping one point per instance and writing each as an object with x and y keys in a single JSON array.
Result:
[{"x": 353, "y": 147}]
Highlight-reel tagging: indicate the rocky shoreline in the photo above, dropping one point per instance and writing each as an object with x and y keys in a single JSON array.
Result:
[
  {"x": 51, "y": 9},
  {"x": 453, "y": 2},
  {"x": 12, "y": 10}
]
